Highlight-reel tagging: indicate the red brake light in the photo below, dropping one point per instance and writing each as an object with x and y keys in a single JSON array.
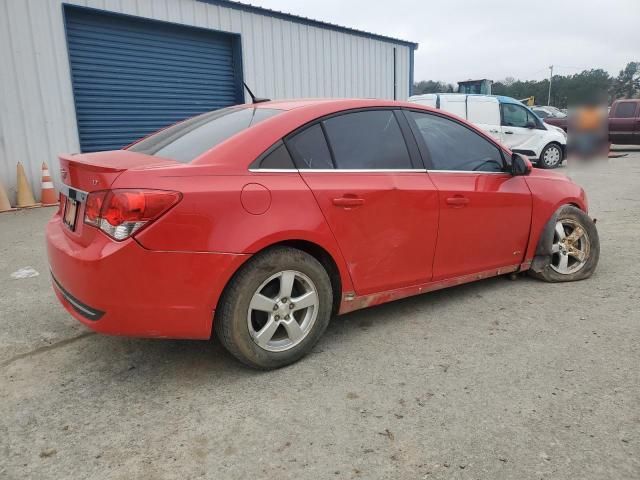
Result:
[
  {"x": 121, "y": 213},
  {"x": 93, "y": 207}
]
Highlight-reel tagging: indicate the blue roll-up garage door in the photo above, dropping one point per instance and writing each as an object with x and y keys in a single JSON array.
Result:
[{"x": 133, "y": 76}]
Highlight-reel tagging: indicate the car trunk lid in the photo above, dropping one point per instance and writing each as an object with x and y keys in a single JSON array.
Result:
[
  {"x": 82, "y": 174},
  {"x": 90, "y": 172}
]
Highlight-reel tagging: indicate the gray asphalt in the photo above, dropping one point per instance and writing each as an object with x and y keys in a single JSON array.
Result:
[{"x": 494, "y": 380}]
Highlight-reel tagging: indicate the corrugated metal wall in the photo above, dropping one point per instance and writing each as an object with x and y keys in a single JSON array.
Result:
[{"x": 281, "y": 59}]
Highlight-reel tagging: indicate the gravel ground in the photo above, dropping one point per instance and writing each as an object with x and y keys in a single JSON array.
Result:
[{"x": 497, "y": 379}]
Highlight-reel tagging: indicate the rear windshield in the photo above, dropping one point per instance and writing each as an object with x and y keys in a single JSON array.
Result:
[{"x": 187, "y": 140}]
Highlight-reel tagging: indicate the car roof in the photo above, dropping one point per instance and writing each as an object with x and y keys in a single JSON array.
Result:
[
  {"x": 241, "y": 149},
  {"x": 290, "y": 104}
]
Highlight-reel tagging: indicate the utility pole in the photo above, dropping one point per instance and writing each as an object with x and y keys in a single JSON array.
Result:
[{"x": 550, "y": 78}]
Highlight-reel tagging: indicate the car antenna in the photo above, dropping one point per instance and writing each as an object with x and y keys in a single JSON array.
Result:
[{"x": 255, "y": 99}]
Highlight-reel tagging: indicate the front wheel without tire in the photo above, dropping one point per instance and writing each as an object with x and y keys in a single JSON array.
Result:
[
  {"x": 572, "y": 247},
  {"x": 275, "y": 308}
]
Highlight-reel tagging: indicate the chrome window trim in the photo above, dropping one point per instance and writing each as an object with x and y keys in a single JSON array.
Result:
[
  {"x": 339, "y": 170},
  {"x": 363, "y": 170},
  {"x": 468, "y": 171},
  {"x": 373, "y": 170}
]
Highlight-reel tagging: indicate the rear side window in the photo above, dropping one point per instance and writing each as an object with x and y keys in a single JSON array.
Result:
[
  {"x": 368, "y": 140},
  {"x": 625, "y": 110},
  {"x": 276, "y": 158},
  {"x": 452, "y": 146},
  {"x": 187, "y": 140},
  {"x": 309, "y": 149}
]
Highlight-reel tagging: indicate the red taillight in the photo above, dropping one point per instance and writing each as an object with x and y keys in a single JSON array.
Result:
[
  {"x": 93, "y": 207},
  {"x": 121, "y": 213}
]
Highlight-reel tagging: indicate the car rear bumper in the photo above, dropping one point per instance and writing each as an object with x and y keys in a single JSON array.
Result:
[{"x": 120, "y": 288}]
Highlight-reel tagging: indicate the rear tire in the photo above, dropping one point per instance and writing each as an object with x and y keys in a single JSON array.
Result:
[
  {"x": 569, "y": 248},
  {"x": 551, "y": 156},
  {"x": 275, "y": 309}
]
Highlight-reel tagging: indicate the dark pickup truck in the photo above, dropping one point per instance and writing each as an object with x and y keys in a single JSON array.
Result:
[{"x": 624, "y": 122}]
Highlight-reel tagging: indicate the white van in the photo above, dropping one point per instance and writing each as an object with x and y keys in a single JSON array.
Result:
[{"x": 508, "y": 121}]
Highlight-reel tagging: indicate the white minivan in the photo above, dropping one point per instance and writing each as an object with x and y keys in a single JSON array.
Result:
[{"x": 508, "y": 121}]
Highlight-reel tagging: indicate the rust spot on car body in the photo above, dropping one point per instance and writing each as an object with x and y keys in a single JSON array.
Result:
[{"x": 364, "y": 301}]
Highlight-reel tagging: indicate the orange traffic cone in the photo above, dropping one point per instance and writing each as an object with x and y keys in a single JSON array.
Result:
[
  {"x": 48, "y": 196},
  {"x": 25, "y": 195},
  {"x": 5, "y": 205}
]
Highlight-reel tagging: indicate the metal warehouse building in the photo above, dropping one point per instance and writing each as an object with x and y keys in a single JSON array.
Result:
[{"x": 82, "y": 76}]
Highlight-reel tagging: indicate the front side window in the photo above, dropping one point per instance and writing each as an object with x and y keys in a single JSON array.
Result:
[
  {"x": 532, "y": 120},
  {"x": 369, "y": 140},
  {"x": 187, "y": 140},
  {"x": 514, "y": 115},
  {"x": 625, "y": 110},
  {"x": 452, "y": 146}
]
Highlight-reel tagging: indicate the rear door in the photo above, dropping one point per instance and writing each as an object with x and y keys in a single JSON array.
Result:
[
  {"x": 485, "y": 214},
  {"x": 378, "y": 201}
]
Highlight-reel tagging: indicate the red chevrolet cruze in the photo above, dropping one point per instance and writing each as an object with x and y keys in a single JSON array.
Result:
[{"x": 264, "y": 220}]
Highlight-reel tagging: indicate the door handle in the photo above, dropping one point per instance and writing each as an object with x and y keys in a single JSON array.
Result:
[
  {"x": 509, "y": 132},
  {"x": 348, "y": 202},
  {"x": 457, "y": 201}
]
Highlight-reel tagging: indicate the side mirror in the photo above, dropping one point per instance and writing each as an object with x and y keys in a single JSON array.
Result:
[{"x": 520, "y": 165}]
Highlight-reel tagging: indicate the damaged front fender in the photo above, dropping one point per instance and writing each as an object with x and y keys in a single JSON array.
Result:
[{"x": 542, "y": 257}]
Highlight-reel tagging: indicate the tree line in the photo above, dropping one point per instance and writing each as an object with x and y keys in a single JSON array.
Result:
[{"x": 566, "y": 90}]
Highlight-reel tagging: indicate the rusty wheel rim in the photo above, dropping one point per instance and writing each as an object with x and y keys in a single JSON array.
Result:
[{"x": 571, "y": 247}]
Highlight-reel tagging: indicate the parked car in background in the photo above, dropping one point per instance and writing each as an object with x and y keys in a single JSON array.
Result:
[
  {"x": 262, "y": 221},
  {"x": 623, "y": 122},
  {"x": 506, "y": 120},
  {"x": 548, "y": 112}
]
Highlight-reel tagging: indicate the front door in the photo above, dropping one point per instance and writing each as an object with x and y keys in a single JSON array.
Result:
[
  {"x": 484, "y": 222},
  {"x": 519, "y": 130},
  {"x": 485, "y": 213},
  {"x": 382, "y": 210}
]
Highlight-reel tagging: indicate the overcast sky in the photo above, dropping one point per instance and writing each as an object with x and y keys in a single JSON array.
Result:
[{"x": 492, "y": 38}]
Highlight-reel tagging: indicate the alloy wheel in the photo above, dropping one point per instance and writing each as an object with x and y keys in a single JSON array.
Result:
[
  {"x": 283, "y": 311},
  {"x": 570, "y": 249}
]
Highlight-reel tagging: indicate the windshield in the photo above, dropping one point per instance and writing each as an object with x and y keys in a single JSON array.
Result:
[{"x": 187, "y": 140}]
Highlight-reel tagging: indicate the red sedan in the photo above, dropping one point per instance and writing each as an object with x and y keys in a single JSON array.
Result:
[{"x": 264, "y": 220}]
